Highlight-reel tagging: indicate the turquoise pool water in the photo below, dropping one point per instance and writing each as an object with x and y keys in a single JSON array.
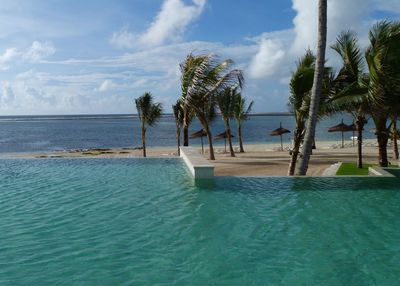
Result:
[{"x": 144, "y": 222}]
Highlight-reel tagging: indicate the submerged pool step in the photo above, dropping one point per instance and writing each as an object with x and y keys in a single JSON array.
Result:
[{"x": 197, "y": 165}]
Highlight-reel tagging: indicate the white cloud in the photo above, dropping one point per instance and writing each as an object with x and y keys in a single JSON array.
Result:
[
  {"x": 342, "y": 15},
  {"x": 7, "y": 94},
  {"x": 107, "y": 85},
  {"x": 280, "y": 49},
  {"x": 171, "y": 21},
  {"x": 36, "y": 52},
  {"x": 8, "y": 56},
  {"x": 39, "y": 51},
  {"x": 267, "y": 60},
  {"x": 305, "y": 24},
  {"x": 123, "y": 39},
  {"x": 168, "y": 26}
]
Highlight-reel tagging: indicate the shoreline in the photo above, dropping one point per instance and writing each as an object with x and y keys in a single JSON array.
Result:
[{"x": 262, "y": 159}]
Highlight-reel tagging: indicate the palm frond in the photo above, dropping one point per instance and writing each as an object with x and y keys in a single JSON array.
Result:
[
  {"x": 384, "y": 64},
  {"x": 204, "y": 77},
  {"x": 148, "y": 112},
  {"x": 352, "y": 59}
]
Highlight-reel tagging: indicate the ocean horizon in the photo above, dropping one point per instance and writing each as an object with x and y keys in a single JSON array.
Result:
[{"x": 48, "y": 133}]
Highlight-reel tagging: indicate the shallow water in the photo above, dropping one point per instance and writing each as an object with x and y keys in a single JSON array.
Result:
[{"x": 145, "y": 222}]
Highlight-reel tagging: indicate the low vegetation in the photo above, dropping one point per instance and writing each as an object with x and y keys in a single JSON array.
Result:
[{"x": 351, "y": 169}]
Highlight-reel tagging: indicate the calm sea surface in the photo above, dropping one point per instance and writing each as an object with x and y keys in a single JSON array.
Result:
[
  {"x": 107, "y": 222},
  {"x": 52, "y": 133}
]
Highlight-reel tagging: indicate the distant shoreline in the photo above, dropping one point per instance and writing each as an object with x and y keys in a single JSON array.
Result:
[
  {"x": 269, "y": 146},
  {"x": 121, "y": 116},
  {"x": 265, "y": 159}
]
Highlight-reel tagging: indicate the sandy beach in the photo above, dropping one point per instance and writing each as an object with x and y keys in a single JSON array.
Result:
[{"x": 258, "y": 159}]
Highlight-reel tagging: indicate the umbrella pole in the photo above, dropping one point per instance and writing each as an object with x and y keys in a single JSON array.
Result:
[
  {"x": 202, "y": 148},
  {"x": 353, "y": 138},
  {"x": 281, "y": 143},
  {"x": 225, "y": 144},
  {"x": 342, "y": 140}
]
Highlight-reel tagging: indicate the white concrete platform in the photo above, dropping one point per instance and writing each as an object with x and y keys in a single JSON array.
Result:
[
  {"x": 332, "y": 170},
  {"x": 197, "y": 165},
  {"x": 378, "y": 171}
]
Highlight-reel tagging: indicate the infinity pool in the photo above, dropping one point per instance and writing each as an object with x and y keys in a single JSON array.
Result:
[{"x": 145, "y": 222}]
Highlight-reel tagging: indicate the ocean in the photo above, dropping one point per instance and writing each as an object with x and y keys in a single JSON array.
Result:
[{"x": 71, "y": 132}]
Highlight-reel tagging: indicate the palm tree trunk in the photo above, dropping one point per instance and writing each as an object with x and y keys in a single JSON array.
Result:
[
  {"x": 178, "y": 136},
  {"x": 209, "y": 136},
  {"x": 228, "y": 133},
  {"x": 382, "y": 145},
  {"x": 360, "y": 127},
  {"x": 342, "y": 139},
  {"x": 395, "y": 146},
  {"x": 316, "y": 89},
  {"x": 230, "y": 142},
  {"x": 185, "y": 126},
  {"x": 241, "y": 149},
  {"x": 293, "y": 160},
  {"x": 295, "y": 152},
  {"x": 144, "y": 141},
  {"x": 185, "y": 135},
  {"x": 382, "y": 137}
]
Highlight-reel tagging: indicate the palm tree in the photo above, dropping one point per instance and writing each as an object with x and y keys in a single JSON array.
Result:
[
  {"x": 241, "y": 113},
  {"x": 209, "y": 76},
  {"x": 204, "y": 110},
  {"x": 300, "y": 88},
  {"x": 188, "y": 70},
  {"x": 226, "y": 104},
  {"x": 148, "y": 113},
  {"x": 179, "y": 118},
  {"x": 351, "y": 84},
  {"x": 316, "y": 90},
  {"x": 384, "y": 85},
  {"x": 300, "y": 98}
]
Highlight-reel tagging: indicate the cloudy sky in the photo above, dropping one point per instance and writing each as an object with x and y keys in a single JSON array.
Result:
[{"x": 96, "y": 56}]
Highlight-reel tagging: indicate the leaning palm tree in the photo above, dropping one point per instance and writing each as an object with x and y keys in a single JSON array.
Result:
[
  {"x": 188, "y": 71},
  {"x": 300, "y": 89},
  {"x": 179, "y": 118},
  {"x": 383, "y": 59},
  {"x": 240, "y": 112},
  {"x": 210, "y": 76},
  {"x": 148, "y": 113},
  {"x": 226, "y": 104},
  {"x": 300, "y": 97},
  {"x": 316, "y": 90},
  {"x": 351, "y": 85}
]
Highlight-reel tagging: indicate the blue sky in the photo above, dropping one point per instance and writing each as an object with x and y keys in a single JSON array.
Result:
[{"x": 87, "y": 57}]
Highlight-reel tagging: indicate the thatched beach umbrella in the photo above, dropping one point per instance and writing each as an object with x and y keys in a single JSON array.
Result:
[
  {"x": 223, "y": 135},
  {"x": 279, "y": 132},
  {"x": 199, "y": 134},
  {"x": 341, "y": 127}
]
